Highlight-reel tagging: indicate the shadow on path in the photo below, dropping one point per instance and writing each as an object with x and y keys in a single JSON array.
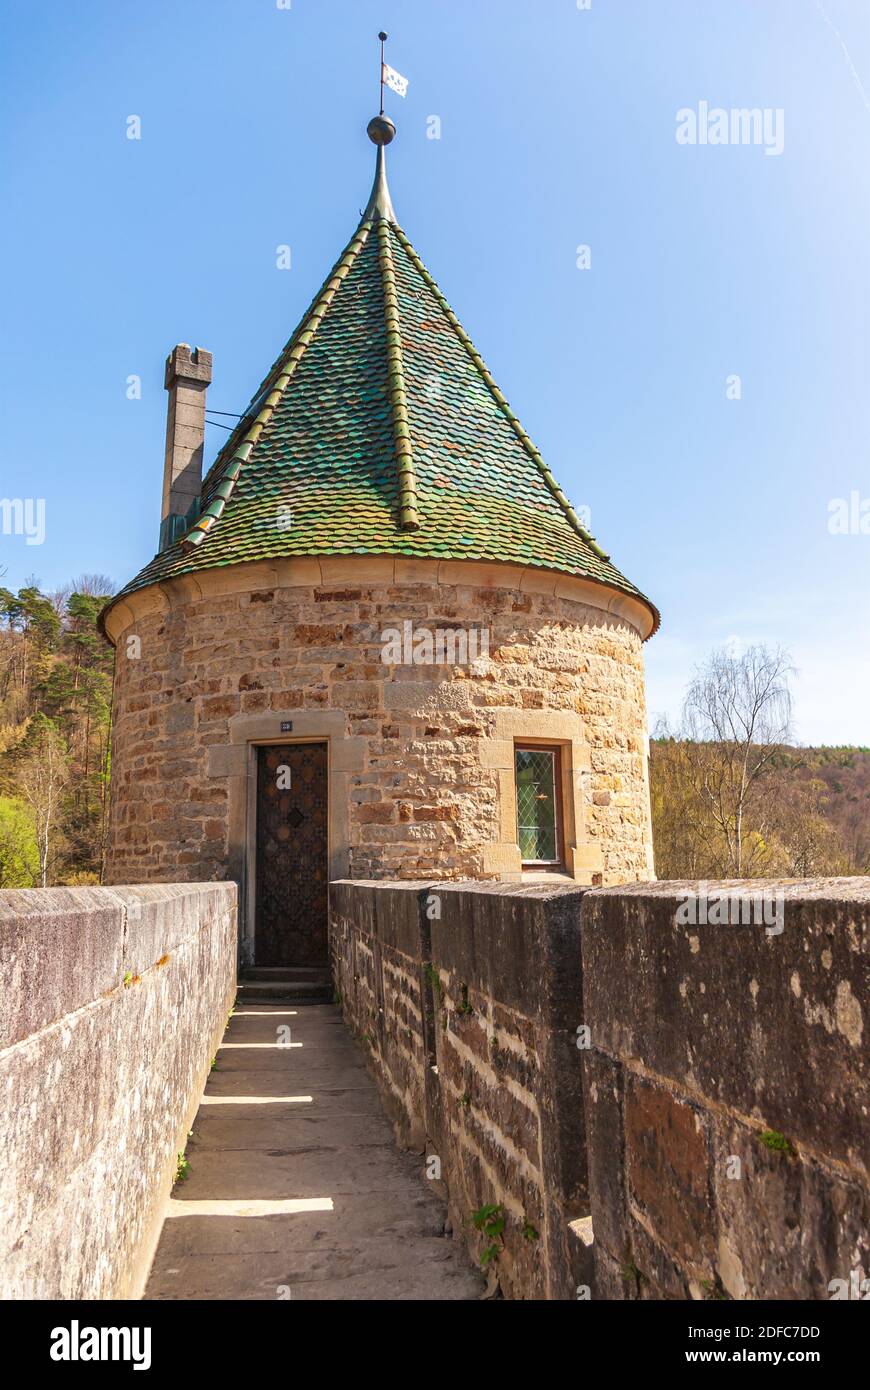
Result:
[{"x": 296, "y": 1189}]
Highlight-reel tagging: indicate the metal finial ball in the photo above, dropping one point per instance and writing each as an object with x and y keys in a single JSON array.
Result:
[
  {"x": 381, "y": 130},
  {"x": 383, "y": 37}
]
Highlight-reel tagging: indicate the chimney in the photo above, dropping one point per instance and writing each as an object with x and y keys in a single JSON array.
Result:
[{"x": 188, "y": 374}]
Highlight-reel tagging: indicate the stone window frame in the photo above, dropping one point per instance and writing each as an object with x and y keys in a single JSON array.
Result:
[
  {"x": 563, "y": 729},
  {"x": 556, "y": 865}
]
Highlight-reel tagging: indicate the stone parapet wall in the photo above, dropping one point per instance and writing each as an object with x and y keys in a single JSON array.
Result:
[
  {"x": 728, "y": 1090},
  {"x": 114, "y": 1003},
  {"x": 467, "y": 1000},
  {"x": 715, "y": 1117},
  {"x": 420, "y": 755}
]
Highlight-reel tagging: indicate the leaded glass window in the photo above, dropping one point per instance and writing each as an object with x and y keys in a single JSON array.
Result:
[{"x": 537, "y": 780}]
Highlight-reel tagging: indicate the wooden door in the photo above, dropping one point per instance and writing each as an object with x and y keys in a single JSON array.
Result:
[{"x": 292, "y": 855}]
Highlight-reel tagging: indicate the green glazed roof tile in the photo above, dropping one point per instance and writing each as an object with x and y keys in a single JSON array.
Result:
[{"x": 380, "y": 431}]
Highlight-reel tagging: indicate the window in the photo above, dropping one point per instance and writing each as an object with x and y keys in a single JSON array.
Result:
[{"x": 538, "y": 772}]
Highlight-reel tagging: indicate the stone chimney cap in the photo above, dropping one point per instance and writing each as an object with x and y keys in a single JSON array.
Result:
[{"x": 189, "y": 364}]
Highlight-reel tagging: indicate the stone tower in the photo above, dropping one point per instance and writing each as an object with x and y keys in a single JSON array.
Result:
[{"x": 377, "y": 641}]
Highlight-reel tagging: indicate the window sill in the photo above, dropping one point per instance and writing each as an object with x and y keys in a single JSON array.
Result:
[{"x": 546, "y": 876}]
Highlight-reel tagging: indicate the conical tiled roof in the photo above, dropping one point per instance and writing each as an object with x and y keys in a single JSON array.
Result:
[{"x": 380, "y": 431}]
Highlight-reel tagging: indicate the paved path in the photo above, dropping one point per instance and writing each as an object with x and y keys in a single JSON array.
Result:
[{"x": 296, "y": 1189}]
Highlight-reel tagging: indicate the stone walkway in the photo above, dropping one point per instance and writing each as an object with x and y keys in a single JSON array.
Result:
[{"x": 296, "y": 1189}]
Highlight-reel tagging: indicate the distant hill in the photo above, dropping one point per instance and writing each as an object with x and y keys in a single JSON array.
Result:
[
  {"x": 846, "y": 775},
  {"x": 808, "y": 815}
]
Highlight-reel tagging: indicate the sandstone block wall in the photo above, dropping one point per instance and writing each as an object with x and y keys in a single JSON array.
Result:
[
  {"x": 201, "y": 661},
  {"x": 716, "y": 1118},
  {"x": 467, "y": 999},
  {"x": 114, "y": 1002},
  {"x": 728, "y": 1094}
]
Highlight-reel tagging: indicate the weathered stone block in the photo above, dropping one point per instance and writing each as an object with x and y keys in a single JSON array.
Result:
[
  {"x": 668, "y": 1170},
  {"x": 773, "y": 1025},
  {"x": 603, "y": 1099},
  {"x": 788, "y": 1226},
  {"x": 98, "y": 1098},
  {"x": 60, "y": 948},
  {"x": 745, "y": 1116}
]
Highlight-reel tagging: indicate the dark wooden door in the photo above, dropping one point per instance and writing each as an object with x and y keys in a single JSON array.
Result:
[{"x": 292, "y": 855}]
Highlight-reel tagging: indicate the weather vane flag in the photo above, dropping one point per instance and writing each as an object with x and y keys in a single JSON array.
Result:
[
  {"x": 395, "y": 81},
  {"x": 389, "y": 77}
]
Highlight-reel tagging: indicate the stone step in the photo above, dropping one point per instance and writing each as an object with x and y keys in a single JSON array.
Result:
[
  {"x": 283, "y": 972},
  {"x": 293, "y": 991}
]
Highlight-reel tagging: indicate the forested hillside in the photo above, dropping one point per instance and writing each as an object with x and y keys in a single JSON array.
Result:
[
  {"x": 845, "y": 776},
  {"x": 55, "y": 704},
  {"x": 807, "y": 815}
]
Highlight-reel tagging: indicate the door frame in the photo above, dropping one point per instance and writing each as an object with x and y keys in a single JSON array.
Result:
[
  {"x": 249, "y": 944},
  {"x": 232, "y": 765}
]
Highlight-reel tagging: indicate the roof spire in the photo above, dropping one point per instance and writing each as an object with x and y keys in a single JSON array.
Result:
[
  {"x": 381, "y": 132},
  {"x": 380, "y": 204}
]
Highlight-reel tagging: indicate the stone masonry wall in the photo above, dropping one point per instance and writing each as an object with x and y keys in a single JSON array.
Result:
[
  {"x": 728, "y": 1093},
  {"x": 423, "y": 801},
  {"x": 722, "y": 1137},
  {"x": 467, "y": 1000},
  {"x": 114, "y": 1002}
]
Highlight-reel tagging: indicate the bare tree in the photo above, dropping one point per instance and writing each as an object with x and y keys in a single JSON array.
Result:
[
  {"x": 737, "y": 713},
  {"x": 94, "y": 585}
]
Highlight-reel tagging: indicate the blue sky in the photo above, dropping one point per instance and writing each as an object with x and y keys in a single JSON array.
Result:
[{"x": 558, "y": 130}]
